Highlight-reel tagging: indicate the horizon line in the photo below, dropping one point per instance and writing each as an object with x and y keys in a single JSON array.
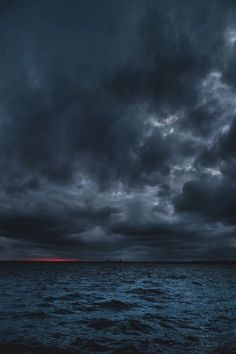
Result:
[{"x": 74, "y": 260}]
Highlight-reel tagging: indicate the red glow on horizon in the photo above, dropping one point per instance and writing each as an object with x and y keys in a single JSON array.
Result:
[{"x": 52, "y": 259}]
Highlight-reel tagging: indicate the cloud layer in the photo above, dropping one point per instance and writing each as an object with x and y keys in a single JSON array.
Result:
[{"x": 118, "y": 129}]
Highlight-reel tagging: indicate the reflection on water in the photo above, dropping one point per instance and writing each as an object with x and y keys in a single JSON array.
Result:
[{"x": 117, "y": 308}]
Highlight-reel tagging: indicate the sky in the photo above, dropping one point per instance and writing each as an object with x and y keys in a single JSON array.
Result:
[{"x": 118, "y": 129}]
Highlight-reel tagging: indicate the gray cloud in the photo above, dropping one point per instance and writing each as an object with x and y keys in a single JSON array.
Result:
[{"x": 117, "y": 129}]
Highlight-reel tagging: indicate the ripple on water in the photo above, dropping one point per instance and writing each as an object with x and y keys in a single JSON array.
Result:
[
  {"x": 101, "y": 324},
  {"x": 114, "y": 305},
  {"x": 136, "y": 309}
]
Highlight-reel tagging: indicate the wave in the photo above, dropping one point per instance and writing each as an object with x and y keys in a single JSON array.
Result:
[
  {"x": 114, "y": 305},
  {"x": 149, "y": 291},
  {"x": 100, "y": 324},
  {"x": 36, "y": 314},
  {"x": 137, "y": 326}
]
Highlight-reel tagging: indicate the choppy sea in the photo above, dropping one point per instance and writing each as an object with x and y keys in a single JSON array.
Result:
[{"x": 117, "y": 308}]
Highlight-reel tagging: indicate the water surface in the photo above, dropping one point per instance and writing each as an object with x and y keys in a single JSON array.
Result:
[{"x": 117, "y": 308}]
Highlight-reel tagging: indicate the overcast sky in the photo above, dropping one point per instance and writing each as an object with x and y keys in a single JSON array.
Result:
[{"x": 118, "y": 129}]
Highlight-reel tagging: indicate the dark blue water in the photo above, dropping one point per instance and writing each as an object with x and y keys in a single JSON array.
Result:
[{"x": 117, "y": 308}]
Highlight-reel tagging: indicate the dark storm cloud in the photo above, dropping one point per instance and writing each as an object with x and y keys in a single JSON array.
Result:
[
  {"x": 117, "y": 129},
  {"x": 209, "y": 198},
  {"x": 213, "y": 197}
]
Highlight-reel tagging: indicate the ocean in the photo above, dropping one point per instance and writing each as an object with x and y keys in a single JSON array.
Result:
[{"x": 117, "y": 308}]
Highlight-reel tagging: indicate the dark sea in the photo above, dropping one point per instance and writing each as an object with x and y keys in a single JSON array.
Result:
[{"x": 117, "y": 308}]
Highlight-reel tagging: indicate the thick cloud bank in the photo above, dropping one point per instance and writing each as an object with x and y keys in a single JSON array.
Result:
[{"x": 118, "y": 129}]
